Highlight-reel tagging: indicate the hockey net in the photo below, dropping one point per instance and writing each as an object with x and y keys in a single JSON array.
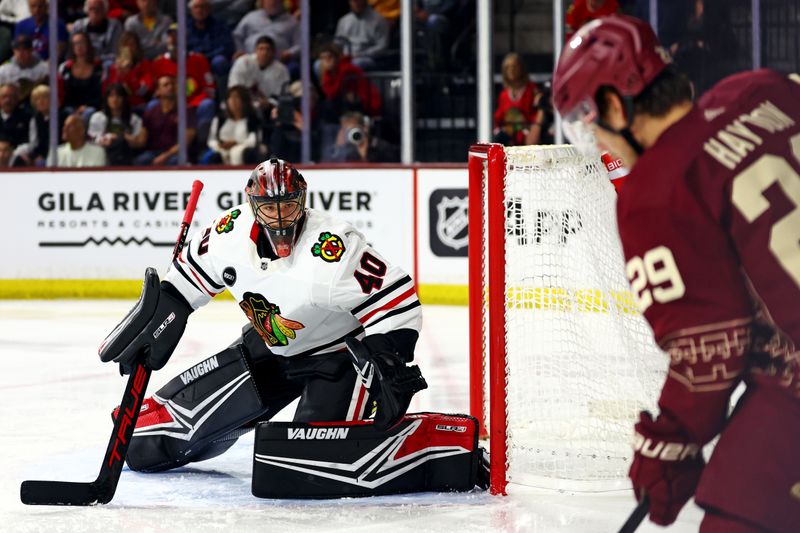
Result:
[{"x": 561, "y": 361}]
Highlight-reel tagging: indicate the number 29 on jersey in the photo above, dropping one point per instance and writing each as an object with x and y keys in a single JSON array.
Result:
[{"x": 654, "y": 277}]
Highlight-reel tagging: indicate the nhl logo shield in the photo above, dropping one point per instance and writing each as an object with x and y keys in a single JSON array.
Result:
[{"x": 451, "y": 222}]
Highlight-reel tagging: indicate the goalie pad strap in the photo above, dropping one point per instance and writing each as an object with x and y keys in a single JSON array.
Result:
[{"x": 424, "y": 452}]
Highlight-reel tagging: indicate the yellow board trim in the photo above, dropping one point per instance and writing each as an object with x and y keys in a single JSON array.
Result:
[
  {"x": 51, "y": 289},
  {"x": 544, "y": 298},
  {"x": 122, "y": 289}
]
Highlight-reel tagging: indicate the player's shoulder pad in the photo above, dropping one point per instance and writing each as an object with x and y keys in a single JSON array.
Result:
[{"x": 329, "y": 240}]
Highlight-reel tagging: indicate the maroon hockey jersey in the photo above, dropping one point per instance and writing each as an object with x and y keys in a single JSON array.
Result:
[{"x": 710, "y": 224}]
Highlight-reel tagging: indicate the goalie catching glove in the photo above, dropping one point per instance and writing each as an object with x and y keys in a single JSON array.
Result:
[
  {"x": 151, "y": 329},
  {"x": 385, "y": 374}
]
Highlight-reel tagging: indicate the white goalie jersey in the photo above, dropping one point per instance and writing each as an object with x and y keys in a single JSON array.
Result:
[{"x": 332, "y": 286}]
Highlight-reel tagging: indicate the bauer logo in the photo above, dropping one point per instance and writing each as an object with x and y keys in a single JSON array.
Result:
[
  {"x": 448, "y": 222},
  {"x": 317, "y": 433}
]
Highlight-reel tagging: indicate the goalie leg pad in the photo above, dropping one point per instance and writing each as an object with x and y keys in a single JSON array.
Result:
[
  {"x": 424, "y": 452},
  {"x": 197, "y": 415}
]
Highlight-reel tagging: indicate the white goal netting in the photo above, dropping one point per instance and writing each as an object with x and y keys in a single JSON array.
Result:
[{"x": 580, "y": 360}]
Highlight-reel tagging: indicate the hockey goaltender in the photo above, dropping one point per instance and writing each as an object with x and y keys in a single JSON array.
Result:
[{"x": 330, "y": 322}]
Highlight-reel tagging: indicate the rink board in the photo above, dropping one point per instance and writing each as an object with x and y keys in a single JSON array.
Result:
[{"x": 92, "y": 233}]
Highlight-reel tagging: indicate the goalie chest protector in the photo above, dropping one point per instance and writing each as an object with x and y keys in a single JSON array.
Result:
[{"x": 424, "y": 452}]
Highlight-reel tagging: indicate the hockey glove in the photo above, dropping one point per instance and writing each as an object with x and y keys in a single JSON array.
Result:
[
  {"x": 666, "y": 466},
  {"x": 388, "y": 379},
  {"x": 151, "y": 329}
]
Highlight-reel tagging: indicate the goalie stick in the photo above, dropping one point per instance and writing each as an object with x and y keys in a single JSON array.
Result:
[
  {"x": 636, "y": 517},
  {"x": 102, "y": 489}
]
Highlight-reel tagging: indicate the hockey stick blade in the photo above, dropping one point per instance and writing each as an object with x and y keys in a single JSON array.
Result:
[
  {"x": 102, "y": 489},
  {"x": 60, "y": 493},
  {"x": 636, "y": 517}
]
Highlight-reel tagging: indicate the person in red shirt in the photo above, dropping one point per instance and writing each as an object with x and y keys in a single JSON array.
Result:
[
  {"x": 583, "y": 11},
  {"x": 122, "y": 9},
  {"x": 345, "y": 86},
  {"x": 200, "y": 85},
  {"x": 132, "y": 70},
  {"x": 709, "y": 219},
  {"x": 517, "y": 118}
]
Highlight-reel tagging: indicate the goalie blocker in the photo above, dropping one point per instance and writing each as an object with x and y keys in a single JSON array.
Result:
[{"x": 424, "y": 452}]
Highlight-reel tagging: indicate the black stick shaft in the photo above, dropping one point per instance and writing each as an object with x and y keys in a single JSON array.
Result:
[
  {"x": 636, "y": 517},
  {"x": 102, "y": 489}
]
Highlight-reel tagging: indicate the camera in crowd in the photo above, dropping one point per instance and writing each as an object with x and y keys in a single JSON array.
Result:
[{"x": 356, "y": 136}]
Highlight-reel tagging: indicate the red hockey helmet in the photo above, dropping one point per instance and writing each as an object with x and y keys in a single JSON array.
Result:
[
  {"x": 276, "y": 192},
  {"x": 618, "y": 51}
]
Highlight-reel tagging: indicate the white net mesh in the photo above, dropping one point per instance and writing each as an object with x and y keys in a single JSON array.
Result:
[{"x": 581, "y": 362}]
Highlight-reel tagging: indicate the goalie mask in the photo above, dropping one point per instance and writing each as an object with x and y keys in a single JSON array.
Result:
[
  {"x": 276, "y": 192},
  {"x": 618, "y": 51}
]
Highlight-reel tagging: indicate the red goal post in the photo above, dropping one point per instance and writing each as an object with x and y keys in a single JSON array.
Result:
[{"x": 560, "y": 359}]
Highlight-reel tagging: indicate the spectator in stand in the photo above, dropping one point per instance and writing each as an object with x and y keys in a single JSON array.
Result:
[
  {"x": 6, "y": 152},
  {"x": 271, "y": 19},
  {"x": 235, "y": 134},
  {"x": 25, "y": 69},
  {"x": 388, "y": 9},
  {"x": 117, "y": 128},
  {"x": 103, "y": 32},
  {"x": 161, "y": 123},
  {"x": 200, "y": 85},
  {"x": 437, "y": 19},
  {"x": 80, "y": 77},
  {"x": 344, "y": 86},
  {"x": 261, "y": 73},
  {"x": 211, "y": 37},
  {"x": 11, "y": 12},
  {"x": 37, "y": 27},
  {"x": 131, "y": 70},
  {"x": 582, "y": 11},
  {"x": 36, "y": 150},
  {"x": 230, "y": 12},
  {"x": 355, "y": 142},
  {"x": 151, "y": 26},
  {"x": 286, "y": 137},
  {"x": 14, "y": 120},
  {"x": 71, "y": 11},
  {"x": 122, "y": 9},
  {"x": 706, "y": 48},
  {"x": 76, "y": 151},
  {"x": 518, "y": 119},
  {"x": 367, "y": 34}
]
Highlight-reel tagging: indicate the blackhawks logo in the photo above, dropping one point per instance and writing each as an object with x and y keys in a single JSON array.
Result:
[
  {"x": 225, "y": 224},
  {"x": 267, "y": 319},
  {"x": 330, "y": 247}
]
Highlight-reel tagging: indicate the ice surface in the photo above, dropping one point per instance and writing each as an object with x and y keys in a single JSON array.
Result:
[{"x": 55, "y": 399}]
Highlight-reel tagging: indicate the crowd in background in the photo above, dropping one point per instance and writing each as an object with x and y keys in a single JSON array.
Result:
[
  {"x": 699, "y": 38},
  {"x": 117, "y": 90}
]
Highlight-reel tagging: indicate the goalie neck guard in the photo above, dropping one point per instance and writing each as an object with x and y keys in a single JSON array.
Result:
[{"x": 276, "y": 192}]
